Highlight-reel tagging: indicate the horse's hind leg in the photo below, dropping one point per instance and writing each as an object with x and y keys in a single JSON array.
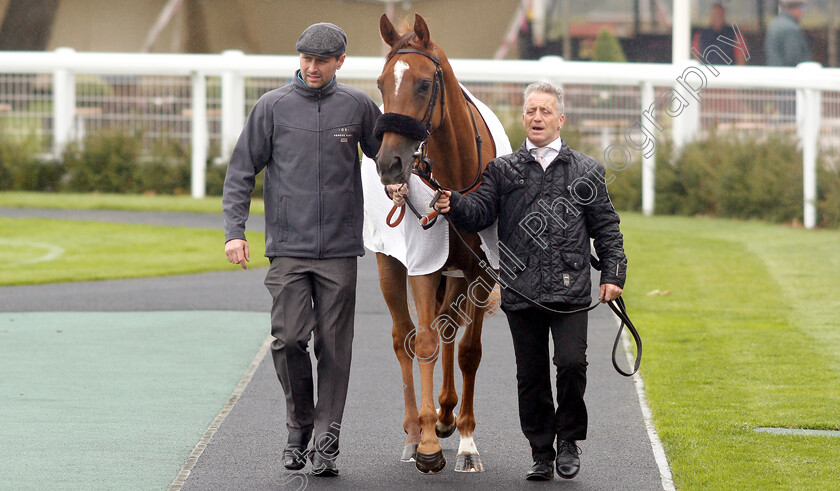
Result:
[
  {"x": 392, "y": 282},
  {"x": 469, "y": 357}
]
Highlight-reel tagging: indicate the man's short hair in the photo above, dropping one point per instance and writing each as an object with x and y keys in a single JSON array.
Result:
[{"x": 546, "y": 88}]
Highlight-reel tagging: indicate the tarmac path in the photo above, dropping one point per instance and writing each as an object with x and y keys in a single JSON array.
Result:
[{"x": 245, "y": 450}]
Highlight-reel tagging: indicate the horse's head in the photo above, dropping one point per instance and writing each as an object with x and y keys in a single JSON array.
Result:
[{"x": 411, "y": 84}]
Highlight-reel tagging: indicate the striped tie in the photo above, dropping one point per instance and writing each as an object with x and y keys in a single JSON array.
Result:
[{"x": 540, "y": 154}]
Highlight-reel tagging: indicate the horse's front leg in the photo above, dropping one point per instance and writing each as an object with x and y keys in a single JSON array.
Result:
[
  {"x": 392, "y": 277},
  {"x": 469, "y": 357},
  {"x": 427, "y": 349},
  {"x": 446, "y": 324}
]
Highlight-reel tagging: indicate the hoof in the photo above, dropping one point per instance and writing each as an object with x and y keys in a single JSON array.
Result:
[
  {"x": 468, "y": 462},
  {"x": 444, "y": 431},
  {"x": 430, "y": 463},
  {"x": 409, "y": 452}
]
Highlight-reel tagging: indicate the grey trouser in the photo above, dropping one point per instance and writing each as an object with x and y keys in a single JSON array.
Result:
[{"x": 313, "y": 295}]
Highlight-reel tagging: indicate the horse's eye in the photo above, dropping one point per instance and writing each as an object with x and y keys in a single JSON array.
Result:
[
  {"x": 379, "y": 85},
  {"x": 424, "y": 86}
]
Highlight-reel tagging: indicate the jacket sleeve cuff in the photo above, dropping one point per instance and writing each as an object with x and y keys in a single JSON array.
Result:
[
  {"x": 455, "y": 209},
  {"x": 614, "y": 273},
  {"x": 237, "y": 234}
]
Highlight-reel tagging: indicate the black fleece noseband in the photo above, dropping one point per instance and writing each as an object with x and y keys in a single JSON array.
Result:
[{"x": 400, "y": 124}]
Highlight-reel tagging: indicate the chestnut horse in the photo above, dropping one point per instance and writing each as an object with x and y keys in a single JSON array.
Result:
[{"x": 420, "y": 92}]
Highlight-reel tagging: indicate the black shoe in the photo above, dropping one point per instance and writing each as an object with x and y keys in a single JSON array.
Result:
[
  {"x": 568, "y": 459},
  {"x": 294, "y": 455},
  {"x": 322, "y": 466},
  {"x": 540, "y": 471}
]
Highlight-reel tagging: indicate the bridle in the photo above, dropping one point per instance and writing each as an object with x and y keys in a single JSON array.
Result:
[
  {"x": 437, "y": 86},
  {"x": 422, "y": 130}
]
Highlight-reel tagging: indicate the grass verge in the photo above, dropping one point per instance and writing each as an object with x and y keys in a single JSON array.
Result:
[
  {"x": 105, "y": 201},
  {"x": 49, "y": 251},
  {"x": 746, "y": 337}
]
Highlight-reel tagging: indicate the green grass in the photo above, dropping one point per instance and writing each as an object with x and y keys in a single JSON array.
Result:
[
  {"x": 105, "y": 201},
  {"x": 47, "y": 251},
  {"x": 747, "y": 337}
]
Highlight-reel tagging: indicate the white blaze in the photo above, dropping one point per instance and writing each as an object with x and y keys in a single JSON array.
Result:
[{"x": 399, "y": 68}]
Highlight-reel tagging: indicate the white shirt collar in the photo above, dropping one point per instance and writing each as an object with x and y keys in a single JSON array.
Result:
[{"x": 555, "y": 145}]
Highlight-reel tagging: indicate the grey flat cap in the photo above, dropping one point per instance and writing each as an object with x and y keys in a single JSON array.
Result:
[{"x": 322, "y": 39}]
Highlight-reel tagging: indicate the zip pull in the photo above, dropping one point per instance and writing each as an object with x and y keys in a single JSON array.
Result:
[{"x": 318, "y": 98}]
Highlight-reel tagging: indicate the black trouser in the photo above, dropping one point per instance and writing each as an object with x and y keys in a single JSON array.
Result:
[
  {"x": 539, "y": 419},
  {"x": 313, "y": 296}
]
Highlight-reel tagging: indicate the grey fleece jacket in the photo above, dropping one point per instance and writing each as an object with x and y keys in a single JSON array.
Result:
[{"x": 307, "y": 142}]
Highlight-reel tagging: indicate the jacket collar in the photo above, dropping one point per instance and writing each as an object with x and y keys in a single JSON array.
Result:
[
  {"x": 308, "y": 91},
  {"x": 524, "y": 154}
]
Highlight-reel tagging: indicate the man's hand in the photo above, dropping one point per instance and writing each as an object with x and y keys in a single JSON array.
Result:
[
  {"x": 442, "y": 204},
  {"x": 397, "y": 192},
  {"x": 609, "y": 292},
  {"x": 237, "y": 252}
]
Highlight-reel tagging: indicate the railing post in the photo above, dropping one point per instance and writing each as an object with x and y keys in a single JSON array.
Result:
[
  {"x": 64, "y": 104},
  {"x": 808, "y": 118},
  {"x": 198, "y": 186},
  {"x": 648, "y": 158},
  {"x": 552, "y": 62},
  {"x": 233, "y": 106},
  {"x": 687, "y": 124}
]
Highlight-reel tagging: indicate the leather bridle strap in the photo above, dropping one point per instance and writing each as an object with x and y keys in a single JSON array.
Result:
[{"x": 437, "y": 86}]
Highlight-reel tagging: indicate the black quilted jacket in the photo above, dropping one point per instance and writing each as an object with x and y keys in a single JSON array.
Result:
[{"x": 545, "y": 221}]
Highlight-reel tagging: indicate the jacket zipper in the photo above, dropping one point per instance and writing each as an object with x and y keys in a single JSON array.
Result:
[{"x": 320, "y": 190}]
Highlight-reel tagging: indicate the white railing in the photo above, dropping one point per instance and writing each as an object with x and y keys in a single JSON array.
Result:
[{"x": 678, "y": 91}]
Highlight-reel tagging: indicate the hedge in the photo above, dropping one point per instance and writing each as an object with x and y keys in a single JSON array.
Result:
[
  {"x": 734, "y": 177},
  {"x": 720, "y": 175}
]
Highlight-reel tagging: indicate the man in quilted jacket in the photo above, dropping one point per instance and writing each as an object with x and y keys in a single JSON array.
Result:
[{"x": 549, "y": 200}]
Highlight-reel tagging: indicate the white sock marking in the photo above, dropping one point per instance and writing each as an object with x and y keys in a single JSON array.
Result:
[
  {"x": 399, "y": 68},
  {"x": 467, "y": 445}
]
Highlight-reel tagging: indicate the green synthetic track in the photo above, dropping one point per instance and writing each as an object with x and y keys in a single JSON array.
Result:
[{"x": 114, "y": 400}]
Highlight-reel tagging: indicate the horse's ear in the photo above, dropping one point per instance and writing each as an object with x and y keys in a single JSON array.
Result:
[
  {"x": 422, "y": 31},
  {"x": 388, "y": 31}
]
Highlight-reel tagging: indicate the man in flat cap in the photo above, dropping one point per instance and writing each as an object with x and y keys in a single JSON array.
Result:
[
  {"x": 306, "y": 136},
  {"x": 785, "y": 44}
]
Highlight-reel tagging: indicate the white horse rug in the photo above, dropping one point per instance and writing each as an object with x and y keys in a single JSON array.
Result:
[{"x": 421, "y": 251}]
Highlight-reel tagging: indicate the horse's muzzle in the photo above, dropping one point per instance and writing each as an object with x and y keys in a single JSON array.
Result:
[{"x": 393, "y": 170}]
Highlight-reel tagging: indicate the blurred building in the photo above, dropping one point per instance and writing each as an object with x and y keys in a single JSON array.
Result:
[
  {"x": 644, "y": 27},
  {"x": 466, "y": 28}
]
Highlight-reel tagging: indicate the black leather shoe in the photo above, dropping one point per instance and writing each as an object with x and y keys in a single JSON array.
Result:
[
  {"x": 294, "y": 459},
  {"x": 322, "y": 466},
  {"x": 540, "y": 471},
  {"x": 568, "y": 459},
  {"x": 294, "y": 455}
]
